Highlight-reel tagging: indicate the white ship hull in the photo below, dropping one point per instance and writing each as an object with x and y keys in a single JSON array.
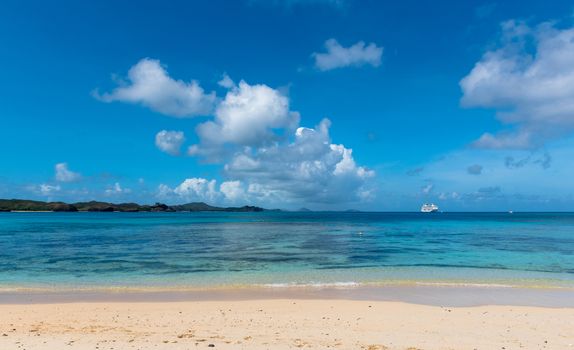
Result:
[{"x": 429, "y": 208}]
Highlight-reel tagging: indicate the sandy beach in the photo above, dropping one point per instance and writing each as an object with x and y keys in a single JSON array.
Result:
[{"x": 282, "y": 324}]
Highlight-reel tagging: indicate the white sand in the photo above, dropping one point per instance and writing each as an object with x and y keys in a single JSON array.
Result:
[{"x": 282, "y": 324}]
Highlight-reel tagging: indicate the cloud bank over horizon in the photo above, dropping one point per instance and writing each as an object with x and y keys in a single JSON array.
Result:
[{"x": 266, "y": 156}]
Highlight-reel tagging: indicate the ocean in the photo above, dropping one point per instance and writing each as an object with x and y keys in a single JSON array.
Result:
[{"x": 278, "y": 249}]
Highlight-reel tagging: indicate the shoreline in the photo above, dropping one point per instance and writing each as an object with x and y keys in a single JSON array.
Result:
[{"x": 421, "y": 294}]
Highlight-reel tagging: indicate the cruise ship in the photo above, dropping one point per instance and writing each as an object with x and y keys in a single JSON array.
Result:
[{"x": 429, "y": 208}]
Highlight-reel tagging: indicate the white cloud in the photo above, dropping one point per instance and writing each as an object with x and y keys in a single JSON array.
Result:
[
  {"x": 117, "y": 189},
  {"x": 197, "y": 189},
  {"x": 232, "y": 190},
  {"x": 170, "y": 141},
  {"x": 63, "y": 174},
  {"x": 269, "y": 159},
  {"x": 203, "y": 190},
  {"x": 247, "y": 116},
  {"x": 47, "y": 190},
  {"x": 164, "y": 191},
  {"x": 150, "y": 85},
  {"x": 309, "y": 169},
  {"x": 226, "y": 82},
  {"x": 529, "y": 81},
  {"x": 254, "y": 132},
  {"x": 338, "y": 56}
]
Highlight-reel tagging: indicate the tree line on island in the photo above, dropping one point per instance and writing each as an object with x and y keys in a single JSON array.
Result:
[{"x": 95, "y": 206}]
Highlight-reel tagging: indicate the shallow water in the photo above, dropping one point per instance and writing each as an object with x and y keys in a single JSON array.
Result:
[{"x": 198, "y": 250}]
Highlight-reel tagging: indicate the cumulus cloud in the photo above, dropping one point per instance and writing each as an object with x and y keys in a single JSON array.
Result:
[
  {"x": 475, "y": 169},
  {"x": 197, "y": 188},
  {"x": 170, "y": 141},
  {"x": 226, "y": 82},
  {"x": 356, "y": 55},
  {"x": 63, "y": 174},
  {"x": 194, "y": 189},
  {"x": 255, "y": 134},
  {"x": 164, "y": 191},
  {"x": 232, "y": 190},
  {"x": 529, "y": 81},
  {"x": 249, "y": 115},
  {"x": 268, "y": 158},
  {"x": 309, "y": 168},
  {"x": 149, "y": 84}
]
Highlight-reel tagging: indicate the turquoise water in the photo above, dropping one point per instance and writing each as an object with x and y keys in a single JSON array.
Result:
[{"x": 188, "y": 250}]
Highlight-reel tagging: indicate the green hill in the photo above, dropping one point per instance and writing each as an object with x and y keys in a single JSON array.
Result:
[{"x": 95, "y": 206}]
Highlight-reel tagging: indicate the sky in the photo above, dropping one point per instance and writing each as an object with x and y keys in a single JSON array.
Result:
[{"x": 323, "y": 104}]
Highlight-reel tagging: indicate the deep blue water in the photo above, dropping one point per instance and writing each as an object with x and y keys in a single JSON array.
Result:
[{"x": 199, "y": 249}]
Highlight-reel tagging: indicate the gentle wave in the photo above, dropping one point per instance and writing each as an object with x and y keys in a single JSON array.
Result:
[
  {"x": 313, "y": 285},
  {"x": 284, "y": 286}
]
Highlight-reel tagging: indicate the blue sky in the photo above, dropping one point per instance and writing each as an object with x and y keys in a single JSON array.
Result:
[{"x": 465, "y": 104}]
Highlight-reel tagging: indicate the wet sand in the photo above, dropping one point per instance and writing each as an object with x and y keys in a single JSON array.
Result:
[
  {"x": 454, "y": 295},
  {"x": 304, "y": 320}
]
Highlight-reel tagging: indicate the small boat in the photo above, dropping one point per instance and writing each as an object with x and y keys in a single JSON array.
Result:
[{"x": 429, "y": 208}]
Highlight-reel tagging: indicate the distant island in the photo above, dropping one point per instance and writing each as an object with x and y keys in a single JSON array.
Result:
[{"x": 95, "y": 206}]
